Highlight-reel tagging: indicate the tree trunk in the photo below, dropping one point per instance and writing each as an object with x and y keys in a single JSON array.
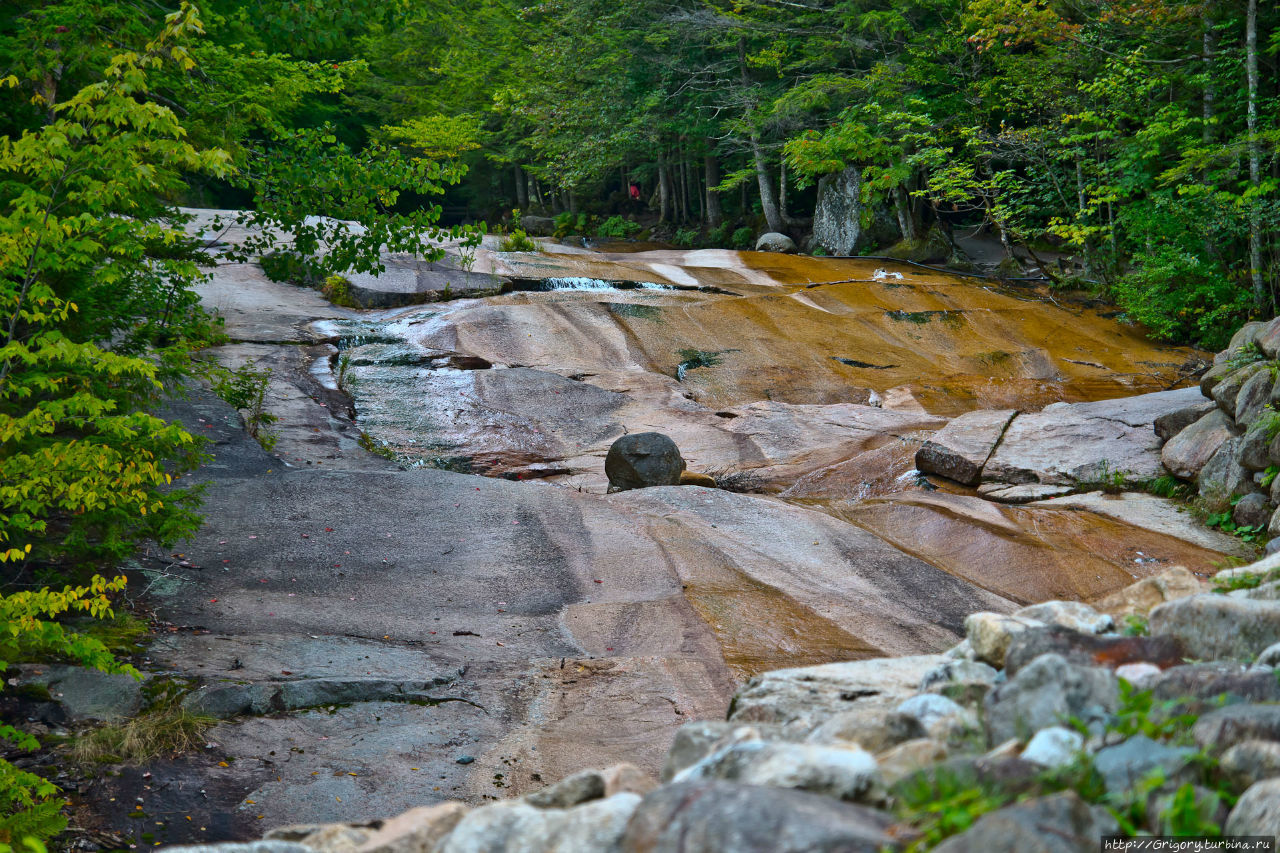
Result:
[
  {"x": 906, "y": 222},
  {"x": 573, "y": 202},
  {"x": 1255, "y": 156},
  {"x": 715, "y": 214},
  {"x": 768, "y": 198},
  {"x": 522, "y": 189},
  {"x": 664, "y": 190},
  {"x": 782, "y": 189}
]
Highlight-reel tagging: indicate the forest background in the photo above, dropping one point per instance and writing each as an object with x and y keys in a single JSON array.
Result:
[{"x": 1136, "y": 138}]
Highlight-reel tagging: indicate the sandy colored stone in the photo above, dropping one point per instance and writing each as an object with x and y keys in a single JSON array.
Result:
[
  {"x": 960, "y": 449},
  {"x": 1188, "y": 451},
  {"x": 415, "y": 831},
  {"x": 1141, "y": 597}
]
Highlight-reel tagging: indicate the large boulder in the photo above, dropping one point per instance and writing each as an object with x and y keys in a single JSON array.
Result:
[
  {"x": 1050, "y": 691},
  {"x": 1267, "y": 338},
  {"x": 960, "y": 449},
  {"x": 87, "y": 694},
  {"x": 711, "y": 816},
  {"x": 1198, "y": 686},
  {"x": 1221, "y": 729},
  {"x": 1062, "y": 823},
  {"x": 846, "y": 773},
  {"x": 1257, "y": 812},
  {"x": 643, "y": 459},
  {"x": 1125, "y": 764},
  {"x": 1171, "y": 423},
  {"x": 873, "y": 729},
  {"x": 1254, "y": 394},
  {"x": 517, "y": 827},
  {"x": 772, "y": 241},
  {"x": 1217, "y": 627},
  {"x": 1227, "y": 391},
  {"x": 416, "y": 830},
  {"x": 991, "y": 634},
  {"x": 1188, "y": 451},
  {"x": 1223, "y": 476},
  {"x": 1139, "y": 598},
  {"x": 837, "y": 219},
  {"x": 1090, "y": 650},
  {"x": 1070, "y": 443},
  {"x": 806, "y": 696},
  {"x": 1250, "y": 761}
]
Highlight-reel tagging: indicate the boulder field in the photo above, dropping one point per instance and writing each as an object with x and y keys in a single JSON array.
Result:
[{"x": 381, "y": 631}]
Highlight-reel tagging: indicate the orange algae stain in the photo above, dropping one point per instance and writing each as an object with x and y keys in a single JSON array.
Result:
[{"x": 1027, "y": 554}]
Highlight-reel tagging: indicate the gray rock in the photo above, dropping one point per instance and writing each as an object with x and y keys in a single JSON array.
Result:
[
  {"x": 1273, "y": 544},
  {"x": 960, "y": 449},
  {"x": 844, "y": 773},
  {"x": 721, "y": 817},
  {"x": 930, "y": 708},
  {"x": 1223, "y": 728},
  {"x": 873, "y": 729},
  {"x": 1257, "y": 812},
  {"x": 1267, "y": 337},
  {"x": 1250, "y": 761},
  {"x": 806, "y": 696},
  {"x": 588, "y": 785},
  {"x": 772, "y": 241},
  {"x": 1273, "y": 523},
  {"x": 1253, "y": 510},
  {"x": 1171, "y": 423},
  {"x": 1270, "y": 657},
  {"x": 1023, "y": 494},
  {"x": 643, "y": 459},
  {"x": 990, "y": 634},
  {"x": 837, "y": 217},
  {"x": 225, "y": 700},
  {"x": 909, "y": 757},
  {"x": 324, "y": 837},
  {"x": 1198, "y": 687},
  {"x": 1227, "y": 391},
  {"x": 1125, "y": 764},
  {"x": 1223, "y": 476},
  {"x": 958, "y": 670},
  {"x": 1255, "y": 444},
  {"x": 1053, "y": 747},
  {"x": 1090, "y": 649},
  {"x": 1069, "y": 614},
  {"x": 1216, "y": 627},
  {"x": 1186, "y": 453},
  {"x": 695, "y": 741},
  {"x": 1247, "y": 334},
  {"x": 1254, "y": 394},
  {"x": 1070, "y": 443},
  {"x": 1047, "y": 692},
  {"x": 1062, "y": 823},
  {"x": 1221, "y": 370},
  {"x": 87, "y": 694},
  {"x": 517, "y": 827}
]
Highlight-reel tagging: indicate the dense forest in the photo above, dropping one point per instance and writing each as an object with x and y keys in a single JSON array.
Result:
[{"x": 1133, "y": 141}]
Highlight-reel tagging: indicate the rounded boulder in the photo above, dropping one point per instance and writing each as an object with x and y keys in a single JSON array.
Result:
[{"x": 641, "y": 460}]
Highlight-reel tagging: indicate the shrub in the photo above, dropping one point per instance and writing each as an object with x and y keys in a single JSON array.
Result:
[
  {"x": 338, "y": 291},
  {"x": 618, "y": 228},
  {"x": 518, "y": 241},
  {"x": 743, "y": 238},
  {"x": 686, "y": 238}
]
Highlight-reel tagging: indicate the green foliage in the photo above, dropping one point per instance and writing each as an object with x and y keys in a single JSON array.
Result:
[
  {"x": 941, "y": 802},
  {"x": 245, "y": 389},
  {"x": 337, "y": 290},
  {"x": 618, "y": 228},
  {"x": 1168, "y": 486},
  {"x": 289, "y": 267},
  {"x": 693, "y": 358},
  {"x": 567, "y": 223},
  {"x": 742, "y": 238},
  {"x": 685, "y": 238},
  {"x": 1135, "y": 625},
  {"x": 1140, "y": 713},
  {"x": 1269, "y": 475},
  {"x": 1188, "y": 812},
  {"x": 30, "y": 631},
  {"x": 86, "y": 260},
  {"x": 1244, "y": 581},
  {"x": 518, "y": 241},
  {"x": 1224, "y": 521}
]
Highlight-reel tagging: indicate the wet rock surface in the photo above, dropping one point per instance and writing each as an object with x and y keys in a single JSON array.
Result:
[{"x": 397, "y": 632}]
